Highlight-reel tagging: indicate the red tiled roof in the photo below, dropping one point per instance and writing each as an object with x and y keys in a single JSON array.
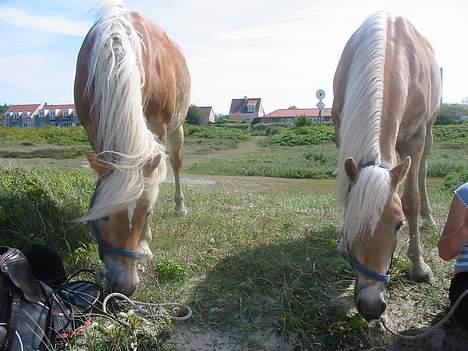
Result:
[
  {"x": 59, "y": 107},
  {"x": 23, "y": 108},
  {"x": 295, "y": 112}
]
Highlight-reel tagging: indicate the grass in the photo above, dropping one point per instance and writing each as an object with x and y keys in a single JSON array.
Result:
[
  {"x": 251, "y": 258},
  {"x": 316, "y": 162},
  {"x": 255, "y": 258},
  {"x": 45, "y": 135}
]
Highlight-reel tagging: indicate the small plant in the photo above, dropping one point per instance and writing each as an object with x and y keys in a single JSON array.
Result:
[
  {"x": 169, "y": 270},
  {"x": 137, "y": 334}
]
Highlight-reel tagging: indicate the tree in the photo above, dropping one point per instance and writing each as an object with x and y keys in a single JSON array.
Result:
[
  {"x": 193, "y": 115},
  {"x": 451, "y": 113},
  {"x": 302, "y": 121}
]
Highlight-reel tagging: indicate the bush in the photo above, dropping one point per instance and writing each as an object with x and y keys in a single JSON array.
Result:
[
  {"x": 36, "y": 207},
  {"x": 45, "y": 135},
  {"x": 193, "y": 115},
  {"x": 302, "y": 121},
  {"x": 454, "y": 179},
  {"x": 311, "y": 135},
  {"x": 215, "y": 132},
  {"x": 451, "y": 134}
]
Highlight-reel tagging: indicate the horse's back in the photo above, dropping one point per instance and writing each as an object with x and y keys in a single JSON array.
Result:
[
  {"x": 412, "y": 83},
  {"x": 166, "y": 89}
]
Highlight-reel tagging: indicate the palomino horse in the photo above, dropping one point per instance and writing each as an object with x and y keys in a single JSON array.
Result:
[
  {"x": 387, "y": 92},
  {"x": 132, "y": 90}
]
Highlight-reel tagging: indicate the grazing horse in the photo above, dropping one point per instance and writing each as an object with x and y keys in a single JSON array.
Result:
[
  {"x": 387, "y": 93},
  {"x": 132, "y": 91}
]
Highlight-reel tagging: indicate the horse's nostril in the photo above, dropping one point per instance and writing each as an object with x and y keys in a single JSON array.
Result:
[{"x": 383, "y": 307}]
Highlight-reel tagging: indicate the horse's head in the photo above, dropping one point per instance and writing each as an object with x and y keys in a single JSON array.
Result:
[
  {"x": 373, "y": 217},
  {"x": 123, "y": 234}
]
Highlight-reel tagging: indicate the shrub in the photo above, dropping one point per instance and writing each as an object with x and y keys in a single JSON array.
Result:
[
  {"x": 302, "y": 121},
  {"x": 311, "y": 135},
  {"x": 454, "y": 179},
  {"x": 215, "y": 132},
  {"x": 36, "y": 207},
  {"x": 45, "y": 135}
]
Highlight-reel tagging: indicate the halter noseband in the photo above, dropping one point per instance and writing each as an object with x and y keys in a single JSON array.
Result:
[
  {"x": 103, "y": 246},
  {"x": 358, "y": 266}
]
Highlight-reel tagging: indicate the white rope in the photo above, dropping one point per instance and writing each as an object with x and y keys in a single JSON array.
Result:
[
  {"x": 430, "y": 329},
  {"x": 161, "y": 307}
]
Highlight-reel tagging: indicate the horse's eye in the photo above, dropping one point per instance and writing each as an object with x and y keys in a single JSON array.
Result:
[
  {"x": 106, "y": 219},
  {"x": 399, "y": 225}
]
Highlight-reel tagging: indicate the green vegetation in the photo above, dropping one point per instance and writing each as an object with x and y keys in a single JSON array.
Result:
[
  {"x": 37, "y": 207},
  {"x": 193, "y": 115},
  {"x": 302, "y": 121},
  {"x": 451, "y": 134},
  {"x": 451, "y": 113},
  {"x": 215, "y": 132},
  {"x": 309, "y": 135},
  {"x": 54, "y": 153},
  {"x": 315, "y": 162},
  {"x": 253, "y": 257},
  {"x": 45, "y": 135}
]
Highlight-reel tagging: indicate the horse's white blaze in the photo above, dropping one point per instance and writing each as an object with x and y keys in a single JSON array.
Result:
[{"x": 131, "y": 210}]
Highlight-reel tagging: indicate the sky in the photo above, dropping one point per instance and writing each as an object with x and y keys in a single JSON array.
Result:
[{"x": 281, "y": 51}]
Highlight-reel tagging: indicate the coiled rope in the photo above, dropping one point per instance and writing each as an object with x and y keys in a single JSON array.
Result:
[
  {"x": 430, "y": 329},
  {"x": 146, "y": 309}
]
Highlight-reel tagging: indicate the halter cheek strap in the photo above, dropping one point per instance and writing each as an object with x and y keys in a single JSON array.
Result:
[
  {"x": 103, "y": 246},
  {"x": 367, "y": 272}
]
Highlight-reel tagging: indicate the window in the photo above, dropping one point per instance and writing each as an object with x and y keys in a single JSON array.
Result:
[
  {"x": 65, "y": 113},
  {"x": 41, "y": 114},
  {"x": 250, "y": 108},
  {"x": 52, "y": 114}
]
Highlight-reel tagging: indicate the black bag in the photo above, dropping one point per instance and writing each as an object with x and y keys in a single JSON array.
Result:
[{"x": 33, "y": 314}]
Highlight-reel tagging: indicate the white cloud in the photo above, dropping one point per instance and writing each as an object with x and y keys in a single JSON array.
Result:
[{"x": 53, "y": 24}]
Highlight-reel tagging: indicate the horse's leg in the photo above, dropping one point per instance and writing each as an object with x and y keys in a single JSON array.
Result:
[
  {"x": 420, "y": 271},
  {"x": 428, "y": 221},
  {"x": 176, "y": 140}
]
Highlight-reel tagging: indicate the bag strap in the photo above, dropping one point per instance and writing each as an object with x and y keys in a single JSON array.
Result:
[{"x": 15, "y": 308}]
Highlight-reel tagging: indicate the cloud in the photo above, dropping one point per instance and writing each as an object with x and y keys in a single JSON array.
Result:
[{"x": 53, "y": 24}]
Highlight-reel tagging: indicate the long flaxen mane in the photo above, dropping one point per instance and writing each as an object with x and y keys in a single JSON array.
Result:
[
  {"x": 123, "y": 139},
  {"x": 360, "y": 128}
]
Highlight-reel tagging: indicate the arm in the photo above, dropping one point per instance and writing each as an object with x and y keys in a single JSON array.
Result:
[{"x": 455, "y": 233}]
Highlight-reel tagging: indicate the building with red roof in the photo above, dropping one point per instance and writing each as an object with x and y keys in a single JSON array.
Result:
[
  {"x": 288, "y": 115},
  {"x": 39, "y": 115}
]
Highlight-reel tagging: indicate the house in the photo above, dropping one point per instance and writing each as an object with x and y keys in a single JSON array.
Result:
[
  {"x": 38, "y": 115},
  {"x": 57, "y": 115},
  {"x": 246, "y": 109},
  {"x": 207, "y": 115},
  {"x": 20, "y": 116},
  {"x": 288, "y": 115}
]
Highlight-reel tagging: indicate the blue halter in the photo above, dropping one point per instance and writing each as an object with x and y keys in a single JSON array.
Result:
[
  {"x": 367, "y": 272},
  {"x": 103, "y": 246},
  {"x": 358, "y": 266}
]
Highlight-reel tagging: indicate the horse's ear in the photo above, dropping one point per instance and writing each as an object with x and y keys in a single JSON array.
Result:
[
  {"x": 152, "y": 164},
  {"x": 398, "y": 173},
  {"x": 101, "y": 168},
  {"x": 352, "y": 169}
]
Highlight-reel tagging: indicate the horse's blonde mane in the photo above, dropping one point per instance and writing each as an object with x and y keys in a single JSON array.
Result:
[
  {"x": 123, "y": 139},
  {"x": 363, "y": 202}
]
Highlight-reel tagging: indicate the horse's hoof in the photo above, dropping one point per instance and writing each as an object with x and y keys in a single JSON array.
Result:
[
  {"x": 421, "y": 273},
  {"x": 181, "y": 212}
]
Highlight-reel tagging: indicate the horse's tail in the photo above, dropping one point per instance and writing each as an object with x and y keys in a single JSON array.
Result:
[{"x": 115, "y": 81}]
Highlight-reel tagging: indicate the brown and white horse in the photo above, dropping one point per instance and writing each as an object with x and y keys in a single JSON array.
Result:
[
  {"x": 132, "y": 91},
  {"x": 387, "y": 92}
]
